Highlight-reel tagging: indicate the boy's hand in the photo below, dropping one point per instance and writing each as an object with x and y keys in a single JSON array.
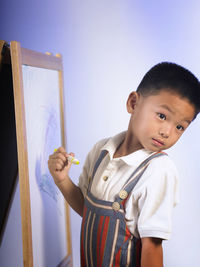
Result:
[{"x": 59, "y": 165}]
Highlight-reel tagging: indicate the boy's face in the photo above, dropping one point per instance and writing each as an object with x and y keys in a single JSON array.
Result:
[{"x": 157, "y": 121}]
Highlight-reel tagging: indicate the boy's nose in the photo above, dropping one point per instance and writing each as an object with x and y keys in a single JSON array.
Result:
[
  {"x": 165, "y": 131},
  {"x": 165, "y": 135}
]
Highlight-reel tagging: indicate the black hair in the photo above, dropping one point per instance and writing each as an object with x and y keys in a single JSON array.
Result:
[{"x": 171, "y": 77}]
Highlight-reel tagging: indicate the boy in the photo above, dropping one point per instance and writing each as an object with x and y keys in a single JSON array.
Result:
[{"x": 128, "y": 186}]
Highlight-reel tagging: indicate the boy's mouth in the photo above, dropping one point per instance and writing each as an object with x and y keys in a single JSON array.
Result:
[{"x": 157, "y": 142}]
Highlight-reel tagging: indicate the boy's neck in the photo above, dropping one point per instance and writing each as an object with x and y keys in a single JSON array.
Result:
[{"x": 126, "y": 147}]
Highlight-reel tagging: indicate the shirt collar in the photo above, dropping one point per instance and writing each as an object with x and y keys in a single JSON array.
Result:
[{"x": 133, "y": 159}]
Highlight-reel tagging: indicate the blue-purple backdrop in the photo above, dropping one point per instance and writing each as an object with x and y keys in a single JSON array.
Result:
[{"x": 107, "y": 46}]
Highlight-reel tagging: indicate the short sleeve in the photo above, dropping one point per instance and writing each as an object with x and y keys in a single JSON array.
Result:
[
  {"x": 89, "y": 165},
  {"x": 159, "y": 194},
  {"x": 83, "y": 178}
]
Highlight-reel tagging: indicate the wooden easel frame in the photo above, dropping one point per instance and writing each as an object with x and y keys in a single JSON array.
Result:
[{"x": 22, "y": 56}]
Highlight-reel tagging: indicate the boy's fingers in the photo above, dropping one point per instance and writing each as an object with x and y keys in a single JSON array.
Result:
[
  {"x": 72, "y": 154},
  {"x": 60, "y": 149},
  {"x": 58, "y": 160},
  {"x": 58, "y": 155},
  {"x": 56, "y": 165},
  {"x": 69, "y": 154}
]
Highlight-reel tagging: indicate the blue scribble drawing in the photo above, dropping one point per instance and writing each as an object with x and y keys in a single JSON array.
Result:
[
  {"x": 50, "y": 131},
  {"x": 45, "y": 182}
]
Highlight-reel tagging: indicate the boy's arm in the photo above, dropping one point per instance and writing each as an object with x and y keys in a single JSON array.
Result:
[
  {"x": 59, "y": 168},
  {"x": 152, "y": 253},
  {"x": 72, "y": 194}
]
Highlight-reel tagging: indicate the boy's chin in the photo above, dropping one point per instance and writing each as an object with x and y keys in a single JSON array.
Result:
[{"x": 155, "y": 149}]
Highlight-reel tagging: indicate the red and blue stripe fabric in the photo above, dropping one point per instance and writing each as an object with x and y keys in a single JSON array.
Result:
[{"x": 105, "y": 238}]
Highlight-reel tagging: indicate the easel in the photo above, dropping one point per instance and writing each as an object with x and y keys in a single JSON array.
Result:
[{"x": 19, "y": 57}]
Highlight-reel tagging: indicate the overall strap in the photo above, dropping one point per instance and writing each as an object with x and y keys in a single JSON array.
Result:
[
  {"x": 141, "y": 167},
  {"x": 135, "y": 177},
  {"x": 99, "y": 160}
]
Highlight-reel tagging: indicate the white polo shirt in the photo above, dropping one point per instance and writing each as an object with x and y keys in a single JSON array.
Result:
[{"x": 148, "y": 210}]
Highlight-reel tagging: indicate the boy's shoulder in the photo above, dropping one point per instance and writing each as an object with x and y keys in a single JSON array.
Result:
[
  {"x": 110, "y": 142},
  {"x": 161, "y": 175},
  {"x": 163, "y": 166},
  {"x": 98, "y": 146},
  {"x": 96, "y": 149},
  {"x": 163, "y": 161}
]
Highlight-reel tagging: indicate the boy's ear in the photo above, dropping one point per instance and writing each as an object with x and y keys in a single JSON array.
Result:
[{"x": 132, "y": 101}]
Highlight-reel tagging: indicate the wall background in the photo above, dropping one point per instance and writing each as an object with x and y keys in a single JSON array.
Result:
[{"x": 107, "y": 47}]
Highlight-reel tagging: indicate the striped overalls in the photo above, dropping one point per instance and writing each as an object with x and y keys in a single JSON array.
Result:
[{"x": 105, "y": 239}]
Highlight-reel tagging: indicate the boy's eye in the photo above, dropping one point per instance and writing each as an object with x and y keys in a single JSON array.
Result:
[
  {"x": 180, "y": 127},
  {"x": 161, "y": 116}
]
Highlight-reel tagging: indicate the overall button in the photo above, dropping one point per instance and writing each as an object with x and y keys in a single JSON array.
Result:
[
  {"x": 123, "y": 194},
  {"x": 116, "y": 206},
  {"x": 105, "y": 178}
]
